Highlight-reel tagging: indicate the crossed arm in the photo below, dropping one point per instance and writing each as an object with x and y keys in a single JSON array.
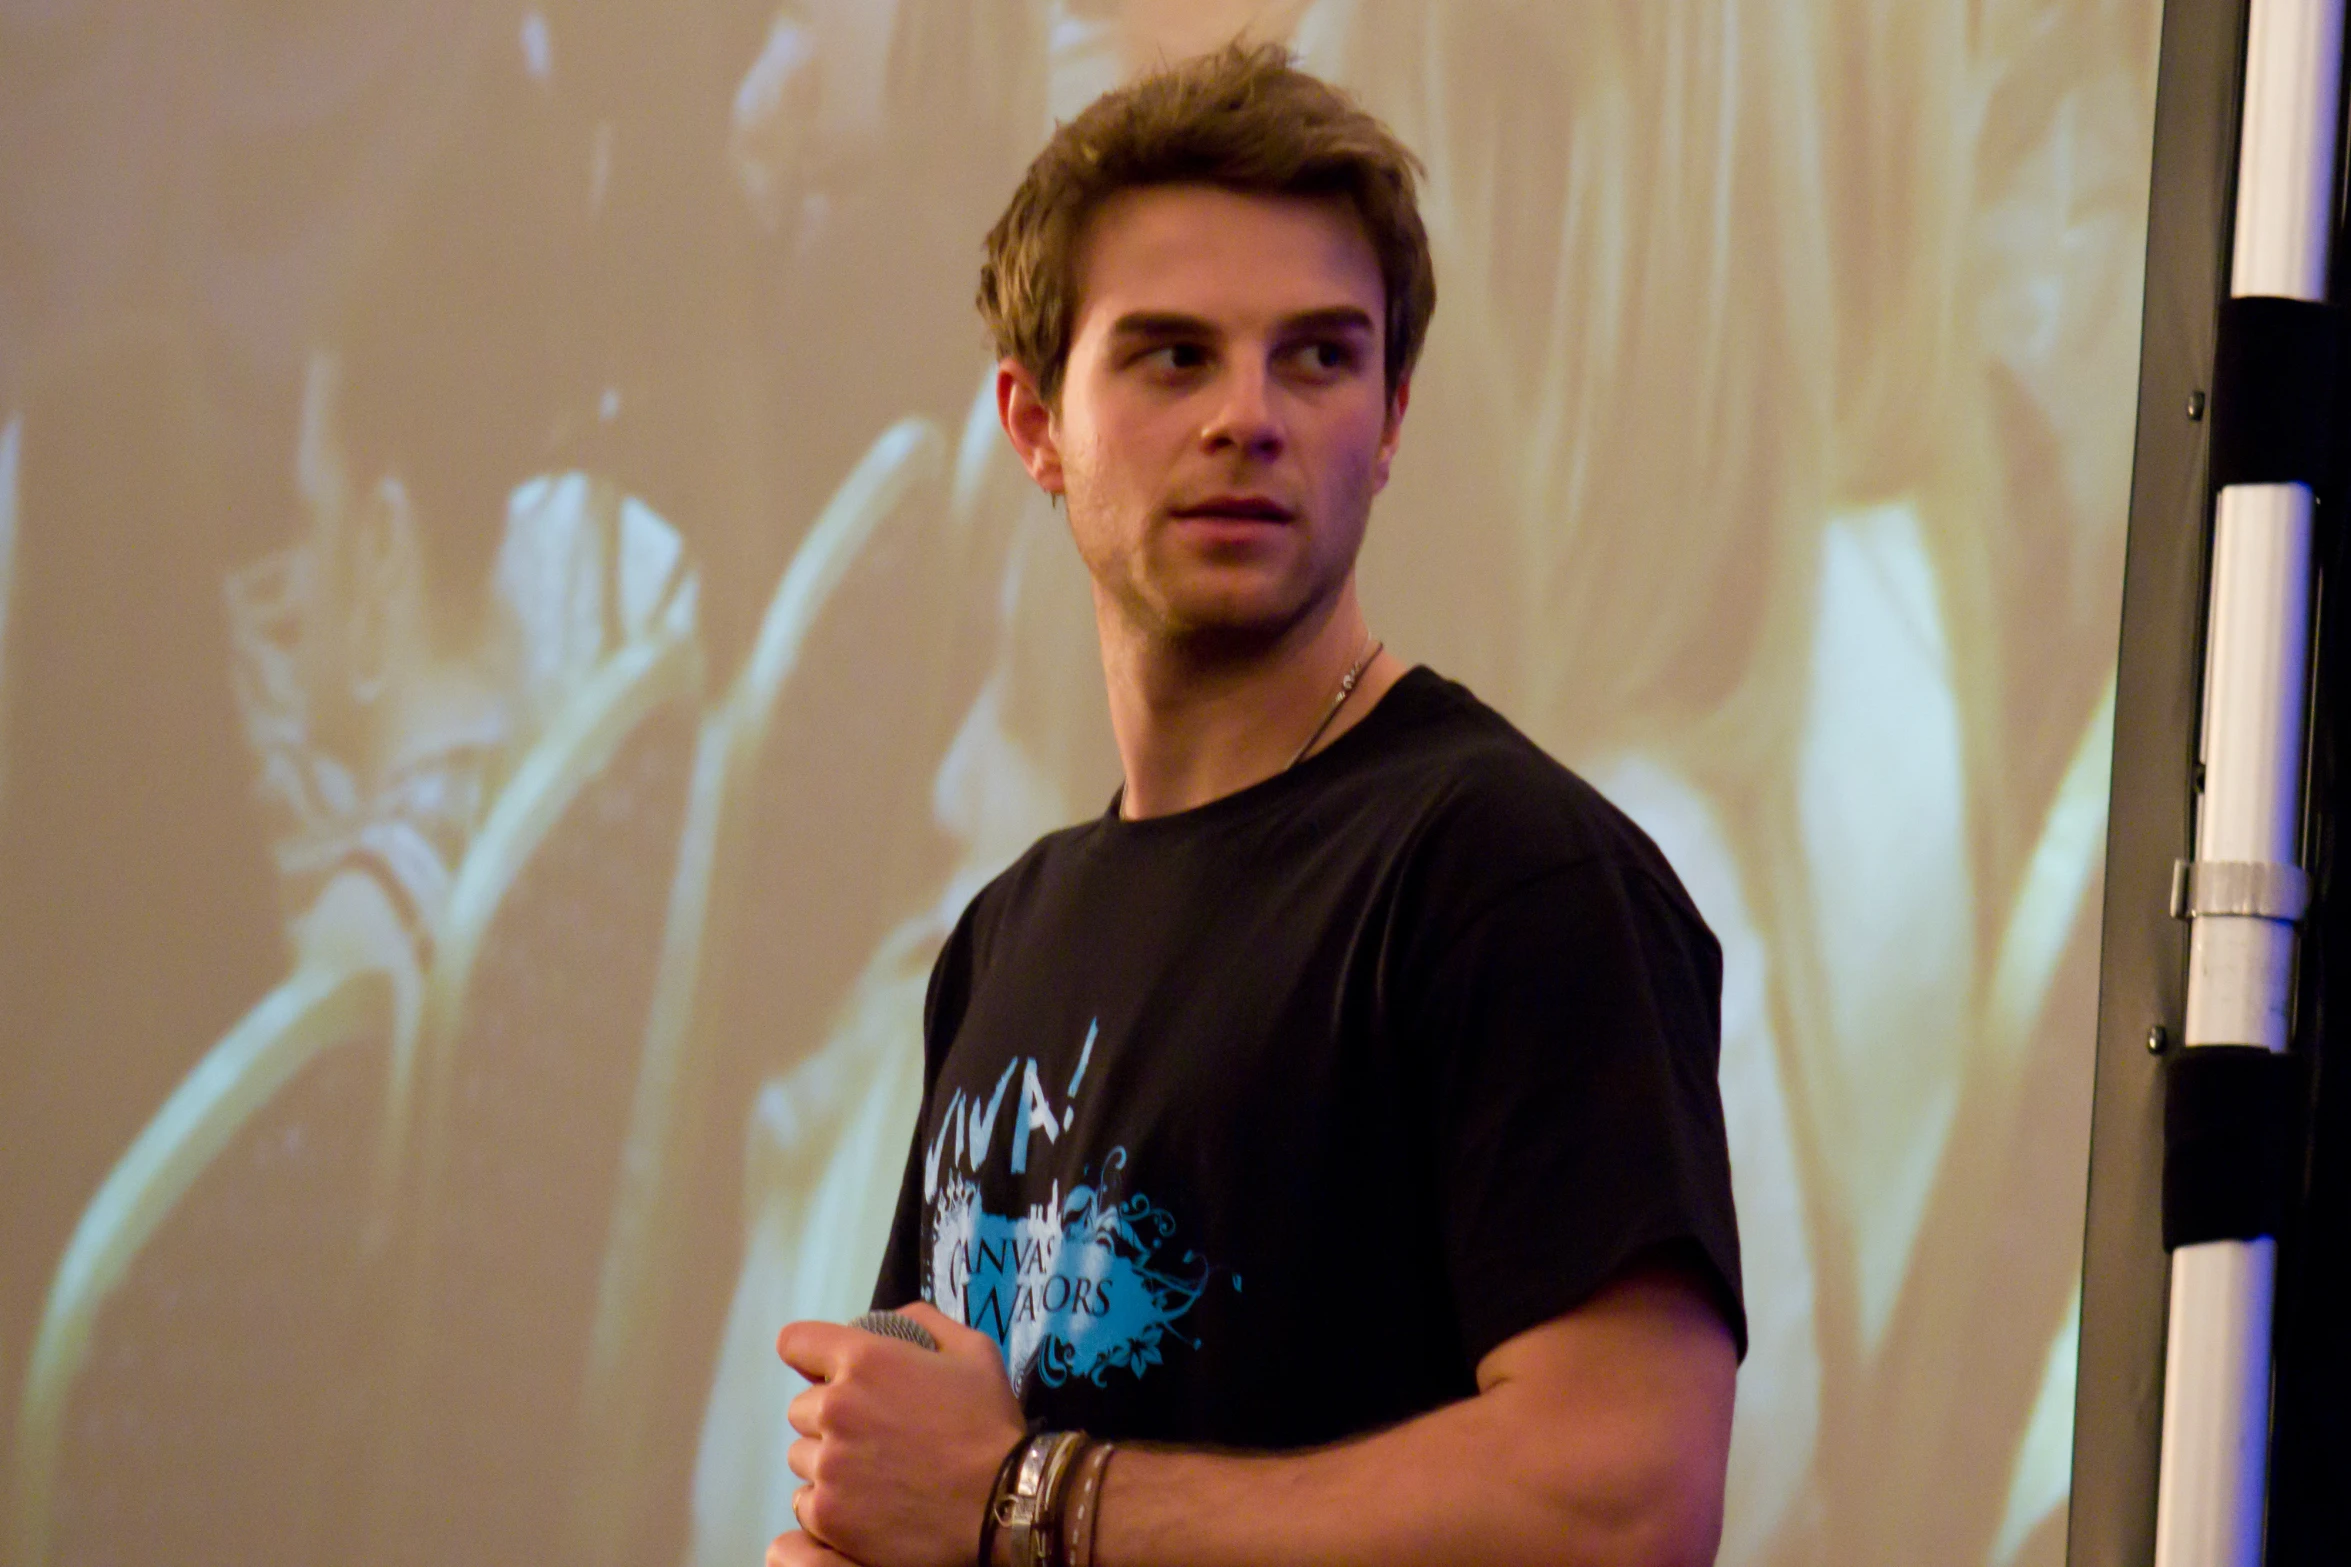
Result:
[{"x": 1597, "y": 1439}]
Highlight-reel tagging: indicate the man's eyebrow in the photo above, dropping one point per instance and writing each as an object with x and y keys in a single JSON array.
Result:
[
  {"x": 1160, "y": 325},
  {"x": 1157, "y": 324},
  {"x": 1332, "y": 318}
]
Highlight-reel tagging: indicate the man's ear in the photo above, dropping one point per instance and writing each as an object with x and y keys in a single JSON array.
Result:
[
  {"x": 1392, "y": 432},
  {"x": 1028, "y": 421}
]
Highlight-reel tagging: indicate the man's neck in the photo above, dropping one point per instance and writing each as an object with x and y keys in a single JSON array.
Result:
[{"x": 1195, "y": 725}]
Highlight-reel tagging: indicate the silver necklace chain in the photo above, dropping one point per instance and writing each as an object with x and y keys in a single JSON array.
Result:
[{"x": 1338, "y": 700}]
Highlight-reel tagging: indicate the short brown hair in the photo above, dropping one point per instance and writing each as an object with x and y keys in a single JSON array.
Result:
[{"x": 1244, "y": 119}]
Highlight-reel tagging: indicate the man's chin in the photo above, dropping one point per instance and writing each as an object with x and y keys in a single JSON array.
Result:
[{"x": 1229, "y": 623}]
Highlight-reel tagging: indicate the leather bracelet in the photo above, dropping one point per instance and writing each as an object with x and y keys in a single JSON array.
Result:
[
  {"x": 1083, "y": 1516},
  {"x": 998, "y": 1492},
  {"x": 1053, "y": 1503}
]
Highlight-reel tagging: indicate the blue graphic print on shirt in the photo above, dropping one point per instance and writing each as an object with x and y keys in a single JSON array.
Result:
[{"x": 1078, "y": 1286}]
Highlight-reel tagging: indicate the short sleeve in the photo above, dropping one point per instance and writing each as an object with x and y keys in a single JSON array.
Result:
[
  {"x": 1576, "y": 1022},
  {"x": 900, "y": 1280}
]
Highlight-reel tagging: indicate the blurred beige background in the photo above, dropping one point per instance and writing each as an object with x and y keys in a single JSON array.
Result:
[{"x": 518, "y": 634}]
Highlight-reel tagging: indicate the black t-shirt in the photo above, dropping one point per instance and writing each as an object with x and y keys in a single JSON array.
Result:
[{"x": 1259, "y": 1124}]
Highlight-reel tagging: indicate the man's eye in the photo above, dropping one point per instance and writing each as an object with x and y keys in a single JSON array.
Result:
[
  {"x": 1176, "y": 356},
  {"x": 1326, "y": 356}
]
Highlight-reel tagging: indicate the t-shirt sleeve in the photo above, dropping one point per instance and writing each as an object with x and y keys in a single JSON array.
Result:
[
  {"x": 900, "y": 1280},
  {"x": 1577, "y": 1020}
]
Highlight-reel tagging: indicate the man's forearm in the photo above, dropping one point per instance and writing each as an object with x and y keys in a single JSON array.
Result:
[
  {"x": 1463, "y": 1486},
  {"x": 1597, "y": 1439}
]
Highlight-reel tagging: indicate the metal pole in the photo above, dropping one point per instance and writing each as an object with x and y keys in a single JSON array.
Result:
[{"x": 2212, "y": 1488}]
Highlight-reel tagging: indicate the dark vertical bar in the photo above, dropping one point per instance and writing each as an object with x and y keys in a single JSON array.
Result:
[
  {"x": 2118, "y": 1410},
  {"x": 2310, "y": 1505},
  {"x": 2310, "y": 1443}
]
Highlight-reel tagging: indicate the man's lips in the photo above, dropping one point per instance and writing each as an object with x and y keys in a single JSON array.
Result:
[{"x": 1234, "y": 508}]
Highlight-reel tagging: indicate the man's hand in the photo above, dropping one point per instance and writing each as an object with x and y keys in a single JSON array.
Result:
[
  {"x": 899, "y": 1445},
  {"x": 798, "y": 1550}
]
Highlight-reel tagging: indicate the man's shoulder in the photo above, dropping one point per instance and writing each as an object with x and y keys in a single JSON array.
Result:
[
  {"x": 1017, "y": 882},
  {"x": 1491, "y": 792}
]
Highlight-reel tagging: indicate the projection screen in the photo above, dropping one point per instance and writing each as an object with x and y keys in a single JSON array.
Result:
[{"x": 519, "y": 633}]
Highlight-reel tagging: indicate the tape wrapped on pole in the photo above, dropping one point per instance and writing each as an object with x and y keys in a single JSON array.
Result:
[
  {"x": 2276, "y": 395},
  {"x": 2232, "y": 1131}
]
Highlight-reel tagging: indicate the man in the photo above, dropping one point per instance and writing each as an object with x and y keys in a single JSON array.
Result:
[{"x": 1336, "y": 1114}]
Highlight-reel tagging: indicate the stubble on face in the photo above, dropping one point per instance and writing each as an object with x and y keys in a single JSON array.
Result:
[{"x": 1224, "y": 422}]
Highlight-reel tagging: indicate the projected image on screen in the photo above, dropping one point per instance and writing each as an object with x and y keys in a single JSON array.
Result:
[{"x": 519, "y": 634}]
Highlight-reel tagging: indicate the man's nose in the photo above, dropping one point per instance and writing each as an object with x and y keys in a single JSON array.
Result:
[{"x": 1244, "y": 417}]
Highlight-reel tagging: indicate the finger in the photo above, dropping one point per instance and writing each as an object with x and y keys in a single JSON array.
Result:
[
  {"x": 806, "y": 1413},
  {"x": 802, "y": 1458},
  {"x": 819, "y": 1351},
  {"x": 798, "y": 1550},
  {"x": 954, "y": 1338},
  {"x": 810, "y": 1508},
  {"x": 803, "y": 1501}
]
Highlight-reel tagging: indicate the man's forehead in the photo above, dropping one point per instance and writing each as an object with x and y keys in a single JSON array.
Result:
[{"x": 1203, "y": 251}]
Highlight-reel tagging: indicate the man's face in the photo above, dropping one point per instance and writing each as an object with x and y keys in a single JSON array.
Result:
[{"x": 1223, "y": 423}]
